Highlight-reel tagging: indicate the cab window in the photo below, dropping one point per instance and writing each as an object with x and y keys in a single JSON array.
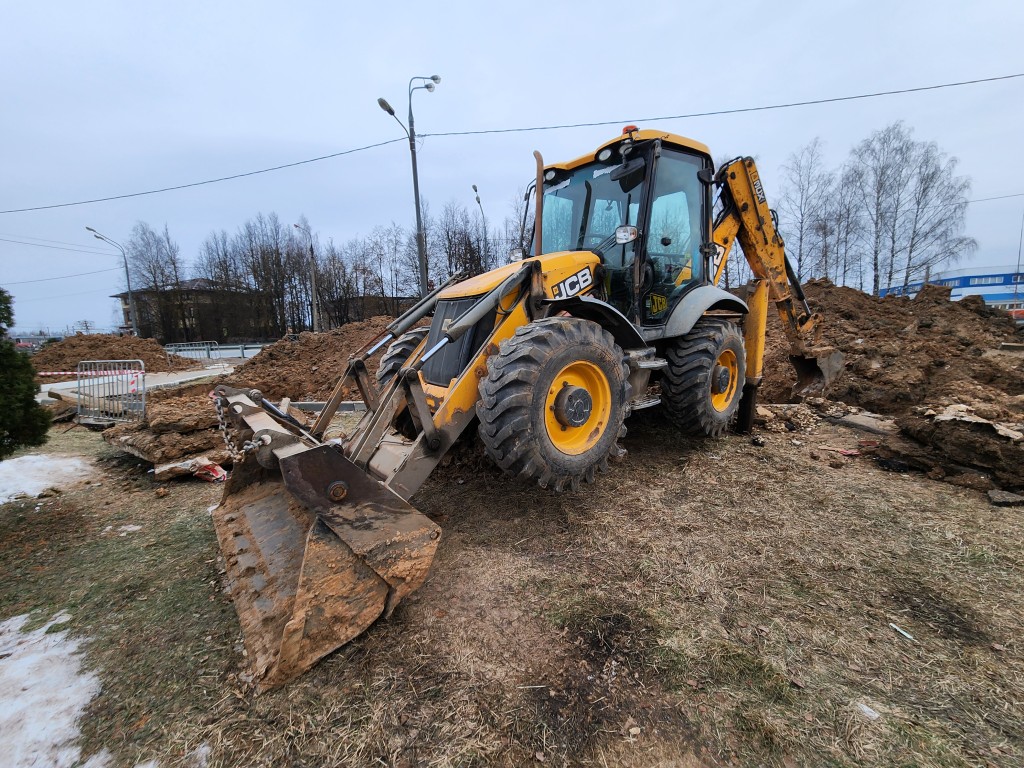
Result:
[{"x": 675, "y": 232}]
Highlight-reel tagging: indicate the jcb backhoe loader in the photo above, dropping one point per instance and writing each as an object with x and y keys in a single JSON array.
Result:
[{"x": 616, "y": 310}]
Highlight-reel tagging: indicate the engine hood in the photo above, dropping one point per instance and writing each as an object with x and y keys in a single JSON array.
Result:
[{"x": 565, "y": 274}]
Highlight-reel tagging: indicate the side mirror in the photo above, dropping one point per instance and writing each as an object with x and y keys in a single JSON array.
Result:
[
  {"x": 706, "y": 176},
  {"x": 515, "y": 255},
  {"x": 625, "y": 235}
]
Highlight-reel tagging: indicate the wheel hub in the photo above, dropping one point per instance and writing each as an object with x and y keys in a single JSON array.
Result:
[
  {"x": 719, "y": 380},
  {"x": 573, "y": 406}
]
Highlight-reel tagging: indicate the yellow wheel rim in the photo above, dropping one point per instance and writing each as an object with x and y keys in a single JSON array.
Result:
[
  {"x": 726, "y": 364},
  {"x": 580, "y": 375}
]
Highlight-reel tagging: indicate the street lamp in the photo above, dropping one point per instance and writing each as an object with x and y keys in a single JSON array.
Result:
[
  {"x": 315, "y": 309},
  {"x": 127, "y": 276},
  {"x": 483, "y": 218},
  {"x": 427, "y": 84}
]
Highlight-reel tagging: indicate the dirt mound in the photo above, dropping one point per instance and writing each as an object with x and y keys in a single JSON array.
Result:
[
  {"x": 181, "y": 423},
  {"x": 902, "y": 353},
  {"x": 65, "y": 355},
  {"x": 308, "y": 367},
  {"x": 934, "y": 365}
]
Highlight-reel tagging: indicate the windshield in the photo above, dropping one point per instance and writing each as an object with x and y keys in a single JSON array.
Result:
[{"x": 584, "y": 206}]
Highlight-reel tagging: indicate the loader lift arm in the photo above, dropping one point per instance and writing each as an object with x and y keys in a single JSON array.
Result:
[{"x": 746, "y": 217}]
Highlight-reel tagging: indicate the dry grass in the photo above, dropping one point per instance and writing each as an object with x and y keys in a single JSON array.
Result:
[{"x": 702, "y": 604}]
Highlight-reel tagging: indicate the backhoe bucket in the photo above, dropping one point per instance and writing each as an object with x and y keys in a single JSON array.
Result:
[
  {"x": 816, "y": 373},
  {"x": 314, "y": 555}
]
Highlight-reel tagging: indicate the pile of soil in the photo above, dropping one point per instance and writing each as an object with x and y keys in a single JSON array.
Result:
[
  {"x": 932, "y": 364},
  {"x": 181, "y": 423},
  {"x": 308, "y": 366},
  {"x": 902, "y": 353},
  {"x": 65, "y": 355}
]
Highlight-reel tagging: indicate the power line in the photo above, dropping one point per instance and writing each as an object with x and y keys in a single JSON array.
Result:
[
  {"x": 207, "y": 181},
  {"x": 61, "y": 296},
  {"x": 63, "y": 277},
  {"x": 736, "y": 111},
  {"x": 739, "y": 110},
  {"x": 43, "y": 240},
  {"x": 58, "y": 248},
  {"x": 997, "y": 197}
]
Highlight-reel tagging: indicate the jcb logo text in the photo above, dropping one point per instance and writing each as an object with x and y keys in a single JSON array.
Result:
[{"x": 573, "y": 284}]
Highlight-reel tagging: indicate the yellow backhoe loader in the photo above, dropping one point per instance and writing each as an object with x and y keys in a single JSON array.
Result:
[{"x": 617, "y": 309}]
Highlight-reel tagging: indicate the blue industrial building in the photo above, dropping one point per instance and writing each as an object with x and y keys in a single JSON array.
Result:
[{"x": 1001, "y": 287}]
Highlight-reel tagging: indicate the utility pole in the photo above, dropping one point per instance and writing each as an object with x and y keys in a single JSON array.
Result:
[
  {"x": 421, "y": 238},
  {"x": 127, "y": 277},
  {"x": 1016, "y": 275},
  {"x": 315, "y": 308}
]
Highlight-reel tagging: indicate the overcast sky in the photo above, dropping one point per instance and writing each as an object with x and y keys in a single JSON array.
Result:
[{"x": 108, "y": 98}]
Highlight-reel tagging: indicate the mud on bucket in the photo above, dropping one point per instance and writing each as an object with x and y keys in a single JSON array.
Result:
[
  {"x": 816, "y": 372},
  {"x": 307, "y": 574}
]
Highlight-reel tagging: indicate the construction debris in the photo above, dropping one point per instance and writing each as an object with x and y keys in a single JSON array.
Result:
[
  {"x": 203, "y": 467},
  {"x": 180, "y": 428},
  {"x": 1005, "y": 499}
]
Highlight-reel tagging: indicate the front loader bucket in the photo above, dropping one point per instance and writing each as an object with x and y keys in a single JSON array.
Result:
[
  {"x": 815, "y": 373},
  {"x": 314, "y": 555}
]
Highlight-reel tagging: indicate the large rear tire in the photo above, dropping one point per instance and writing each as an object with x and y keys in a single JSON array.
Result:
[
  {"x": 703, "y": 383},
  {"x": 398, "y": 353},
  {"x": 552, "y": 404}
]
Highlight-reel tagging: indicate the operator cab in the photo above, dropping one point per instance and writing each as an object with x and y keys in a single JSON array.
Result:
[{"x": 648, "y": 180}]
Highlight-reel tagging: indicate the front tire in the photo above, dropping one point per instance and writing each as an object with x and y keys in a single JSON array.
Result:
[
  {"x": 398, "y": 353},
  {"x": 552, "y": 404},
  {"x": 703, "y": 383}
]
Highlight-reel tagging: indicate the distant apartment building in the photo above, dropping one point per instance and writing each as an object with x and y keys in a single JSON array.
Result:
[{"x": 201, "y": 309}]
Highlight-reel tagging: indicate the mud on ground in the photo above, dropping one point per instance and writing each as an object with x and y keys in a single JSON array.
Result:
[
  {"x": 901, "y": 353},
  {"x": 706, "y": 603}
]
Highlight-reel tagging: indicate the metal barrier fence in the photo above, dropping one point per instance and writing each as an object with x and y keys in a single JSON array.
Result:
[
  {"x": 195, "y": 350},
  {"x": 111, "y": 391}
]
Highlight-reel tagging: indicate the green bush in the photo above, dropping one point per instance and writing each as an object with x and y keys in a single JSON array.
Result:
[{"x": 22, "y": 420}]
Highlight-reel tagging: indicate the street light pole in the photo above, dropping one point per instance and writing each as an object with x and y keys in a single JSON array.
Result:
[
  {"x": 483, "y": 218},
  {"x": 421, "y": 238},
  {"x": 315, "y": 308},
  {"x": 127, "y": 277}
]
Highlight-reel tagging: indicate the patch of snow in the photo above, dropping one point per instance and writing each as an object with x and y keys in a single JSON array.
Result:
[
  {"x": 199, "y": 757},
  {"x": 122, "y": 530},
  {"x": 31, "y": 475},
  {"x": 43, "y": 692}
]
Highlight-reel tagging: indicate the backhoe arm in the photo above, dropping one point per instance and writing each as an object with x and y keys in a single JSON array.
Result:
[{"x": 746, "y": 217}]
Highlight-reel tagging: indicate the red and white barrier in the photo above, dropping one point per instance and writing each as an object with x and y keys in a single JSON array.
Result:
[{"x": 87, "y": 373}]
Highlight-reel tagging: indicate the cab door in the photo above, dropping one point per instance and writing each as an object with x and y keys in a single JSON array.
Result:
[{"x": 677, "y": 225}]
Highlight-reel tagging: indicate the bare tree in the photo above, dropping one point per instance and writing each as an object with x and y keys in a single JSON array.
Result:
[
  {"x": 876, "y": 170},
  {"x": 911, "y": 203},
  {"x": 154, "y": 260},
  {"x": 802, "y": 205},
  {"x": 934, "y": 219},
  {"x": 840, "y": 230},
  {"x": 457, "y": 241}
]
